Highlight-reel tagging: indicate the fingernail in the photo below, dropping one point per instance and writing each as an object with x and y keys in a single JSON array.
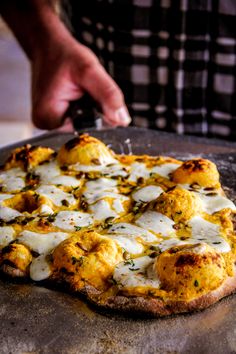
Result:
[{"x": 122, "y": 115}]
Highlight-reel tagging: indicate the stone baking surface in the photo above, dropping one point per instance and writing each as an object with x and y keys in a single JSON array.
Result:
[{"x": 34, "y": 319}]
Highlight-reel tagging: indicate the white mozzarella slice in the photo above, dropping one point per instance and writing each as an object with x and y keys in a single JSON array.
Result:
[
  {"x": 7, "y": 234},
  {"x": 208, "y": 232},
  {"x": 100, "y": 195},
  {"x": 5, "y": 196},
  {"x": 128, "y": 243},
  {"x": 68, "y": 220},
  {"x": 156, "y": 222},
  {"x": 8, "y": 214},
  {"x": 87, "y": 168},
  {"x": 104, "y": 188},
  {"x": 114, "y": 170},
  {"x": 165, "y": 169},
  {"x": 42, "y": 243},
  {"x": 138, "y": 170},
  {"x": 45, "y": 210},
  {"x": 12, "y": 180},
  {"x": 105, "y": 160},
  {"x": 136, "y": 272},
  {"x": 111, "y": 170},
  {"x": 55, "y": 194},
  {"x": 129, "y": 229},
  {"x": 211, "y": 204},
  {"x": 118, "y": 203},
  {"x": 200, "y": 247},
  {"x": 102, "y": 210},
  {"x": 101, "y": 184},
  {"x": 147, "y": 194},
  {"x": 47, "y": 171},
  {"x": 166, "y": 244},
  {"x": 40, "y": 269},
  {"x": 63, "y": 180}
]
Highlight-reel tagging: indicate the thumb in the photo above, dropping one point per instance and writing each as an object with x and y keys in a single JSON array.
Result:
[{"x": 106, "y": 92}]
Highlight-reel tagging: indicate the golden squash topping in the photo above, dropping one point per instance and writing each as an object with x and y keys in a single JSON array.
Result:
[
  {"x": 15, "y": 260},
  {"x": 178, "y": 204},
  {"x": 85, "y": 150},
  {"x": 197, "y": 171},
  {"x": 29, "y": 156},
  {"x": 190, "y": 270},
  {"x": 87, "y": 259}
]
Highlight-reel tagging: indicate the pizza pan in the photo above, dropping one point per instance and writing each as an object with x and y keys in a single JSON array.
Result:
[{"x": 34, "y": 319}]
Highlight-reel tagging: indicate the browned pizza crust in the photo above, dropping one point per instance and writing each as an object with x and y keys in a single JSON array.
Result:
[{"x": 157, "y": 307}]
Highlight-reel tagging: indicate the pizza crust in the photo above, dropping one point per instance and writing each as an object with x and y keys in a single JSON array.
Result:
[{"x": 156, "y": 307}]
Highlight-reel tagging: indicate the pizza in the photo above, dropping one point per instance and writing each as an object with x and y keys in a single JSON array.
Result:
[{"x": 142, "y": 234}]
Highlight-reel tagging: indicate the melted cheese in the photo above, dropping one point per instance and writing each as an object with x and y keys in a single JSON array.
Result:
[
  {"x": 138, "y": 170},
  {"x": 209, "y": 233},
  {"x": 165, "y": 169},
  {"x": 111, "y": 170},
  {"x": 68, "y": 220},
  {"x": 132, "y": 230},
  {"x": 50, "y": 173},
  {"x": 8, "y": 214},
  {"x": 12, "y": 180},
  {"x": 45, "y": 210},
  {"x": 47, "y": 171},
  {"x": 40, "y": 269},
  {"x": 130, "y": 237},
  {"x": 147, "y": 194},
  {"x": 105, "y": 188},
  {"x": 156, "y": 222},
  {"x": 136, "y": 272},
  {"x": 211, "y": 204},
  {"x": 203, "y": 232},
  {"x": 5, "y": 196},
  {"x": 99, "y": 188},
  {"x": 56, "y": 195},
  {"x": 102, "y": 210},
  {"x": 166, "y": 244},
  {"x": 41, "y": 243},
  {"x": 7, "y": 235},
  {"x": 128, "y": 243},
  {"x": 66, "y": 181}
]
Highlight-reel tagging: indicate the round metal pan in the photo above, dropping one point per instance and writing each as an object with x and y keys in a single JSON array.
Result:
[{"x": 34, "y": 319}]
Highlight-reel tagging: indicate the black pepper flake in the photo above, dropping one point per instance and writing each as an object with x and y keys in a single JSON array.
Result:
[
  {"x": 65, "y": 203},
  {"x": 51, "y": 217},
  {"x": 154, "y": 254}
]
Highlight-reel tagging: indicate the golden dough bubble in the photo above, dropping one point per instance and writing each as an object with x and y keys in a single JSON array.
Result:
[
  {"x": 200, "y": 171},
  {"x": 15, "y": 260},
  {"x": 85, "y": 150},
  {"x": 191, "y": 270},
  {"x": 178, "y": 204},
  {"x": 87, "y": 258},
  {"x": 28, "y": 156},
  {"x": 27, "y": 202}
]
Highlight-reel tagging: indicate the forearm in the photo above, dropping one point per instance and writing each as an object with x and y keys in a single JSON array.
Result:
[{"x": 35, "y": 23}]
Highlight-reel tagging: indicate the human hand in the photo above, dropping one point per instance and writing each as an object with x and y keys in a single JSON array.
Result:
[
  {"x": 63, "y": 74},
  {"x": 62, "y": 69}
]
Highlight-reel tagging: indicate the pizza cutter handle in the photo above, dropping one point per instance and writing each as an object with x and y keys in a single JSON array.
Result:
[{"x": 84, "y": 112}]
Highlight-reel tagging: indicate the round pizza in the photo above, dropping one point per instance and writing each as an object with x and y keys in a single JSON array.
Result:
[{"x": 137, "y": 234}]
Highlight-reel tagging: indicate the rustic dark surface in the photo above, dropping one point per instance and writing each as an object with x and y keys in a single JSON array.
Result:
[{"x": 34, "y": 319}]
